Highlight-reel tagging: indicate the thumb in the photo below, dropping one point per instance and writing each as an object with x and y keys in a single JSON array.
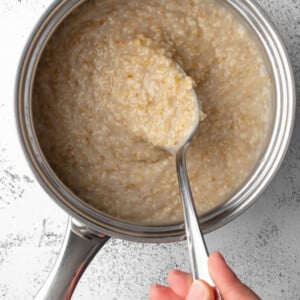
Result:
[
  {"x": 226, "y": 281},
  {"x": 200, "y": 290}
]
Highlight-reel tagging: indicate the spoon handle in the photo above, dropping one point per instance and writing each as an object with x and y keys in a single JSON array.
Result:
[{"x": 196, "y": 244}]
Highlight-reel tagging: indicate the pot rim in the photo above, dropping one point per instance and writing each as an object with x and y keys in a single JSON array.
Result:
[{"x": 285, "y": 98}]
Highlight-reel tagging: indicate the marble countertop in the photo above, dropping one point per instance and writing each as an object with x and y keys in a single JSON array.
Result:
[{"x": 262, "y": 245}]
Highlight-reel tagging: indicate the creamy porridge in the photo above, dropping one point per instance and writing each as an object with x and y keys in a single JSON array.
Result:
[
  {"x": 107, "y": 74},
  {"x": 149, "y": 94}
]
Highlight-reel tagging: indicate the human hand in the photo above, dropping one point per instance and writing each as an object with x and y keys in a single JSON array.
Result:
[{"x": 181, "y": 286}]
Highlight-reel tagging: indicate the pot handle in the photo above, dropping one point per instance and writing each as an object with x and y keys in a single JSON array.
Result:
[{"x": 79, "y": 247}]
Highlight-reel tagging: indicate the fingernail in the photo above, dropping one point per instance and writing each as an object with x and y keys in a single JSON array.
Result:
[
  {"x": 221, "y": 256},
  {"x": 198, "y": 291},
  {"x": 156, "y": 286},
  {"x": 180, "y": 274}
]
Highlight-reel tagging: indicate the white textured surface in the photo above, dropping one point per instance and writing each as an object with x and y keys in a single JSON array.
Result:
[{"x": 262, "y": 245}]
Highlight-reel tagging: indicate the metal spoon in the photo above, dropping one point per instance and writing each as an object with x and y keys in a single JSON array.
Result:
[{"x": 196, "y": 244}]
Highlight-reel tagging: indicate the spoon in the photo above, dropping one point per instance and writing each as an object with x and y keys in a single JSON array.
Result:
[{"x": 196, "y": 244}]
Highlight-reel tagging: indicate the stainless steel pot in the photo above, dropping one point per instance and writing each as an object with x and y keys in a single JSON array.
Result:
[{"x": 88, "y": 228}]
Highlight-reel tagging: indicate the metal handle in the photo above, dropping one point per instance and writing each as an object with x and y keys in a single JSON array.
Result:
[
  {"x": 196, "y": 244},
  {"x": 79, "y": 248}
]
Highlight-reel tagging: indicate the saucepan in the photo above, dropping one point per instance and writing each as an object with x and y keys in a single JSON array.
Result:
[{"x": 88, "y": 228}]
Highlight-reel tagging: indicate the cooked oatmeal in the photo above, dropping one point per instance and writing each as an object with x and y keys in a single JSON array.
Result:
[
  {"x": 108, "y": 73},
  {"x": 150, "y": 95}
]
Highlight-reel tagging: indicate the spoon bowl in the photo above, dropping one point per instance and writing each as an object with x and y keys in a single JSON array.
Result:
[{"x": 188, "y": 137}]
